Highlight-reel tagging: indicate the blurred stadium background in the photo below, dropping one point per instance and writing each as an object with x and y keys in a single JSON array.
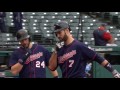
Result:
[{"x": 40, "y": 27}]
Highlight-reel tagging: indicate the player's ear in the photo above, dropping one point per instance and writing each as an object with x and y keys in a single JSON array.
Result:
[{"x": 66, "y": 30}]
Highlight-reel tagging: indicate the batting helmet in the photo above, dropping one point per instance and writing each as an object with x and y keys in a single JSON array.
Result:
[
  {"x": 22, "y": 34},
  {"x": 61, "y": 26}
]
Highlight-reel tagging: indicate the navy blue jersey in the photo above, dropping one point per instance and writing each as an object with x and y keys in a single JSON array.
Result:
[
  {"x": 35, "y": 64},
  {"x": 99, "y": 39},
  {"x": 73, "y": 58}
]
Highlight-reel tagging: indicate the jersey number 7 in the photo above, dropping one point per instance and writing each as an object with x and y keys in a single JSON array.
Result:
[{"x": 71, "y": 62}]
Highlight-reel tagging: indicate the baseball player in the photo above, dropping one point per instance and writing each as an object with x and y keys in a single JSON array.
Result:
[
  {"x": 30, "y": 60},
  {"x": 73, "y": 55},
  {"x": 102, "y": 37}
]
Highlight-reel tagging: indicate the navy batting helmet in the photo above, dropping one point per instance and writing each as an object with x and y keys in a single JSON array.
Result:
[
  {"x": 22, "y": 34},
  {"x": 61, "y": 26}
]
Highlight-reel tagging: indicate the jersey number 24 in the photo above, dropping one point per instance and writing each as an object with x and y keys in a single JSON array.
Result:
[{"x": 40, "y": 64}]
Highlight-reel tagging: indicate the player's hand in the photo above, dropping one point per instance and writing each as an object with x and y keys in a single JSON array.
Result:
[
  {"x": 116, "y": 74},
  {"x": 59, "y": 45},
  {"x": 25, "y": 56}
]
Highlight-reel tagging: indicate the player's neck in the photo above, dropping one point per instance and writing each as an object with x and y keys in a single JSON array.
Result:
[
  {"x": 69, "y": 40},
  {"x": 30, "y": 45}
]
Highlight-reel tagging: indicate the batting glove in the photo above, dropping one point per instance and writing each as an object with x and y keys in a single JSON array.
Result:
[
  {"x": 59, "y": 45},
  {"x": 24, "y": 58},
  {"x": 116, "y": 74}
]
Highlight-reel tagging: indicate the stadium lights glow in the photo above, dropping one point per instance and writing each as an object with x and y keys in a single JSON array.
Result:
[
  {"x": 33, "y": 13},
  {"x": 45, "y": 28},
  {"x": 83, "y": 31},
  {"x": 80, "y": 24},
  {"x": 22, "y": 12},
  {"x": 53, "y": 16},
  {"x": 8, "y": 38},
  {"x": 18, "y": 47},
  {"x": 10, "y": 16},
  {"x": 45, "y": 24},
  {"x": 59, "y": 20},
  {"x": 48, "y": 34},
  {"x": 78, "y": 13},
  {"x": 83, "y": 20},
  {"x": 11, "y": 12},
  {"x": 81, "y": 35},
  {"x": 118, "y": 34},
  {"x": 23, "y": 23},
  {"x": 24, "y": 27},
  {"x": 34, "y": 28},
  {"x": 44, "y": 13},
  {"x": 71, "y": 20},
  {"x": 111, "y": 27},
  {"x": 94, "y": 20},
  {"x": 116, "y": 12},
  {"x": 116, "y": 38},
  {"x": 24, "y": 20},
  {"x": 70, "y": 31},
  {"x": 36, "y": 31},
  {"x": 48, "y": 31},
  {"x": 42, "y": 16},
  {"x": 56, "y": 13},
  {"x": 67, "y": 13},
  {"x": 35, "y": 20},
  {"x": 88, "y": 27},
  {"x": 92, "y": 38},
  {"x": 75, "y": 16},
  {"x": 31, "y": 16},
  {"x": 34, "y": 24},
  {"x": 91, "y": 24},
  {"x": 33, "y": 42},
  {"x": 7, "y": 34},
  {"x": 86, "y": 42},
  {"x": 47, "y": 20},
  {"x": 64, "y": 16},
  {"x": 86, "y": 16},
  {"x": 12, "y": 23},
  {"x": 77, "y": 27}
]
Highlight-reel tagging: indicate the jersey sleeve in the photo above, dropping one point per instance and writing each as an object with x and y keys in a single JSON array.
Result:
[
  {"x": 107, "y": 36},
  {"x": 13, "y": 59},
  {"x": 89, "y": 54}
]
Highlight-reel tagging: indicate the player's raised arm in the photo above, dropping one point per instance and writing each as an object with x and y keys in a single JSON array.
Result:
[
  {"x": 17, "y": 65},
  {"x": 53, "y": 61}
]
